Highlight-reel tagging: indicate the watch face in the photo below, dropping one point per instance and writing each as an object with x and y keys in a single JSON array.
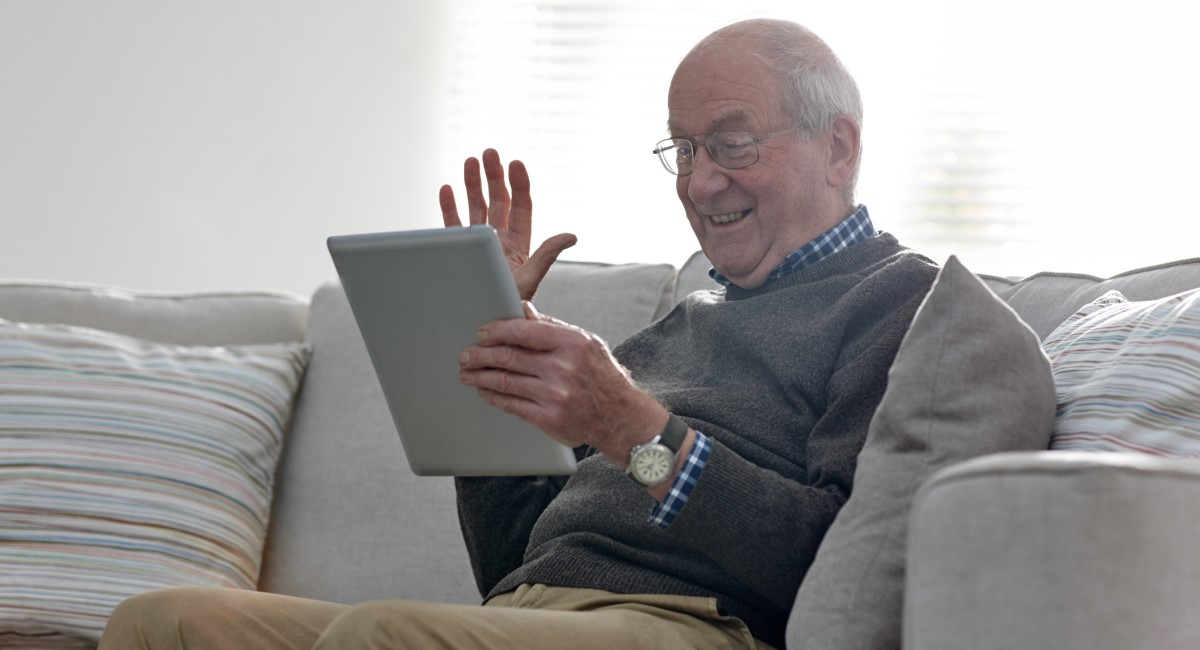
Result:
[{"x": 652, "y": 464}]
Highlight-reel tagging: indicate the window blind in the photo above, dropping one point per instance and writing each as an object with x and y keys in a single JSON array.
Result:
[{"x": 1044, "y": 137}]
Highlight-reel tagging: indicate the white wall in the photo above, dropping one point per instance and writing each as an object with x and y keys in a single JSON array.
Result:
[{"x": 210, "y": 145}]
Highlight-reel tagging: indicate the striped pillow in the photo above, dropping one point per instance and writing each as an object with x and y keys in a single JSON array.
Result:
[
  {"x": 127, "y": 465},
  {"x": 1128, "y": 376}
]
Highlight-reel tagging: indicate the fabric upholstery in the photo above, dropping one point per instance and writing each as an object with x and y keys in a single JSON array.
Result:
[
  {"x": 693, "y": 276},
  {"x": 351, "y": 521},
  {"x": 1045, "y": 300},
  {"x": 1128, "y": 376},
  {"x": 1063, "y": 550},
  {"x": 612, "y": 300},
  {"x": 199, "y": 318},
  {"x": 969, "y": 379},
  {"x": 127, "y": 465}
]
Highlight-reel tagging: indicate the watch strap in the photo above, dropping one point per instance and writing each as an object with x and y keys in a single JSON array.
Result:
[{"x": 674, "y": 433}]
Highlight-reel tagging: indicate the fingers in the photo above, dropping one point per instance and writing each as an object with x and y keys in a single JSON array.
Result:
[
  {"x": 541, "y": 335},
  {"x": 497, "y": 211},
  {"x": 476, "y": 204},
  {"x": 518, "y": 345},
  {"x": 530, "y": 410},
  {"x": 513, "y": 379},
  {"x": 520, "y": 217},
  {"x": 449, "y": 209},
  {"x": 482, "y": 359},
  {"x": 560, "y": 378},
  {"x": 494, "y": 209},
  {"x": 531, "y": 312}
]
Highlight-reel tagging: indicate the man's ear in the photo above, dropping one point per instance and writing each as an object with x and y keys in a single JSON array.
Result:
[{"x": 845, "y": 146}]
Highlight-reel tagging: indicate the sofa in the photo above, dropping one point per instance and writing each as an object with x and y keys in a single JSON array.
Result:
[{"x": 1031, "y": 549}]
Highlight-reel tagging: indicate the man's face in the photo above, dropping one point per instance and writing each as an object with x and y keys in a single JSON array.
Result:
[{"x": 747, "y": 220}]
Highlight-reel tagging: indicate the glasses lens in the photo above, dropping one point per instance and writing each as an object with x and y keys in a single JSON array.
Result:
[
  {"x": 732, "y": 149},
  {"x": 676, "y": 155}
]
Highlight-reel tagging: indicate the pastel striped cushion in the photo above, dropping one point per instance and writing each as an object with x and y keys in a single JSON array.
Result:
[
  {"x": 126, "y": 466},
  {"x": 1127, "y": 376}
]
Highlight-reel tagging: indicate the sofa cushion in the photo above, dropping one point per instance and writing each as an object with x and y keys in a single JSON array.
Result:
[
  {"x": 1128, "y": 376},
  {"x": 693, "y": 276},
  {"x": 194, "y": 318},
  {"x": 969, "y": 379},
  {"x": 612, "y": 300},
  {"x": 127, "y": 465},
  {"x": 1045, "y": 300}
]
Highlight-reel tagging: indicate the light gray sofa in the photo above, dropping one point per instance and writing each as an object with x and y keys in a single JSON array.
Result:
[{"x": 1013, "y": 551}]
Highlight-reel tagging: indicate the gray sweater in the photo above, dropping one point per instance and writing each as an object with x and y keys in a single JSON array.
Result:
[{"x": 784, "y": 379}]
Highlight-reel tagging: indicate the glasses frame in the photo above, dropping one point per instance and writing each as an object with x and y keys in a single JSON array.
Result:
[{"x": 667, "y": 144}]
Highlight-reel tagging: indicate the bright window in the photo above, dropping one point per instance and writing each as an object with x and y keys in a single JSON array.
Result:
[{"x": 1026, "y": 136}]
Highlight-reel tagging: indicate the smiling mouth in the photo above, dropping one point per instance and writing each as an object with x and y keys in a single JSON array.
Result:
[{"x": 729, "y": 218}]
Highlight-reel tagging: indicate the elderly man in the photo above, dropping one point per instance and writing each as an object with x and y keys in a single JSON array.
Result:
[{"x": 715, "y": 446}]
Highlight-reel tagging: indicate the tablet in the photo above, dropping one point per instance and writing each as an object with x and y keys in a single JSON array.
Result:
[{"x": 418, "y": 298}]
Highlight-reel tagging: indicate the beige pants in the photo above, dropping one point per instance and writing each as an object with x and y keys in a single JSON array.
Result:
[{"x": 532, "y": 617}]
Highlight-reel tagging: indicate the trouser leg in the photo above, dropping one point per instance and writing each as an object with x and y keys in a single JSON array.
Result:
[
  {"x": 531, "y": 618},
  {"x": 194, "y": 618},
  {"x": 535, "y": 618}
]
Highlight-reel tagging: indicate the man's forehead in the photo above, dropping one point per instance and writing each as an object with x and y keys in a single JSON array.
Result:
[
  {"x": 735, "y": 118},
  {"x": 737, "y": 93}
]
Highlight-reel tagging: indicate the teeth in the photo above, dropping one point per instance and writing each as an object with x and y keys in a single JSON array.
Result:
[{"x": 727, "y": 218}]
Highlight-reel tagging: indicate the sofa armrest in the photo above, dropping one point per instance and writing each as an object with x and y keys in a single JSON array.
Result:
[{"x": 1055, "y": 550}]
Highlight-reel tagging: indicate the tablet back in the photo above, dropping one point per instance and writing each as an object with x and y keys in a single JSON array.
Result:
[{"x": 418, "y": 298}]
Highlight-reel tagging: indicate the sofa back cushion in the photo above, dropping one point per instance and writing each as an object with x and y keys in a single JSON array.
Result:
[
  {"x": 693, "y": 276},
  {"x": 193, "y": 318},
  {"x": 612, "y": 300},
  {"x": 1045, "y": 300}
]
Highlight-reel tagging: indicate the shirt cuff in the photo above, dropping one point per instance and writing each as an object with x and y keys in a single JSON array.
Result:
[{"x": 664, "y": 513}]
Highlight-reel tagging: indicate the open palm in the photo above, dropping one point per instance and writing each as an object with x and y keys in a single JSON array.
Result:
[{"x": 511, "y": 216}]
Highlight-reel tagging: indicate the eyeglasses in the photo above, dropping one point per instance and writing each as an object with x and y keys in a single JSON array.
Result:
[{"x": 729, "y": 149}]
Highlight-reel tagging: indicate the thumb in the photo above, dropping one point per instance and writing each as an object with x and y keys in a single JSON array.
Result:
[
  {"x": 545, "y": 255},
  {"x": 539, "y": 263}
]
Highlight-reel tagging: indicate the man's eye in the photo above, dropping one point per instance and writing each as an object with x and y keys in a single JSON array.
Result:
[{"x": 733, "y": 148}]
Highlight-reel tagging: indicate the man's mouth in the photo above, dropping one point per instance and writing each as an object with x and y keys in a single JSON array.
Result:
[{"x": 729, "y": 218}]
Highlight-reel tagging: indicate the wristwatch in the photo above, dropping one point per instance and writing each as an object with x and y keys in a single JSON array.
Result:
[{"x": 653, "y": 463}]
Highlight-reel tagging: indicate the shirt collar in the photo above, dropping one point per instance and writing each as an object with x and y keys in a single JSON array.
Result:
[{"x": 854, "y": 229}]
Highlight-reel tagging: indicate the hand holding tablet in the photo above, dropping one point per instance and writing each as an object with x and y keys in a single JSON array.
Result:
[{"x": 419, "y": 298}]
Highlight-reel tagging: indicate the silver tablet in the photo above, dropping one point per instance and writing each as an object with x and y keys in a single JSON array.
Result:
[{"x": 418, "y": 298}]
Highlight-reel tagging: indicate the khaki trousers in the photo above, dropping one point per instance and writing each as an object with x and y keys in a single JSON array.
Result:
[{"x": 532, "y": 617}]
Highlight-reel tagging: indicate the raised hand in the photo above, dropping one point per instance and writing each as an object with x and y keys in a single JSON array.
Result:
[{"x": 511, "y": 216}]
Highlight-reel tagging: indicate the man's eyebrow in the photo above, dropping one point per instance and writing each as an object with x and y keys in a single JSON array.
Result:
[
  {"x": 718, "y": 124},
  {"x": 732, "y": 117}
]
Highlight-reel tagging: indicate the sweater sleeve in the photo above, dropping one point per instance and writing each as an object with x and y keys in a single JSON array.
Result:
[
  {"x": 496, "y": 516},
  {"x": 764, "y": 528}
]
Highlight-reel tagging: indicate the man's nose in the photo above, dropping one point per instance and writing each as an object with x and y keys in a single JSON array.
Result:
[{"x": 707, "y": 178}]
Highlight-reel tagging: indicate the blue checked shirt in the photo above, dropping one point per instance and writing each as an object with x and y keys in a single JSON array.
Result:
[{"x": 856, "y": 228}]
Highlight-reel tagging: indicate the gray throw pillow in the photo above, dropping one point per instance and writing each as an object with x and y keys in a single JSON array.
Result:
[{"x": 969, "y": 379}]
